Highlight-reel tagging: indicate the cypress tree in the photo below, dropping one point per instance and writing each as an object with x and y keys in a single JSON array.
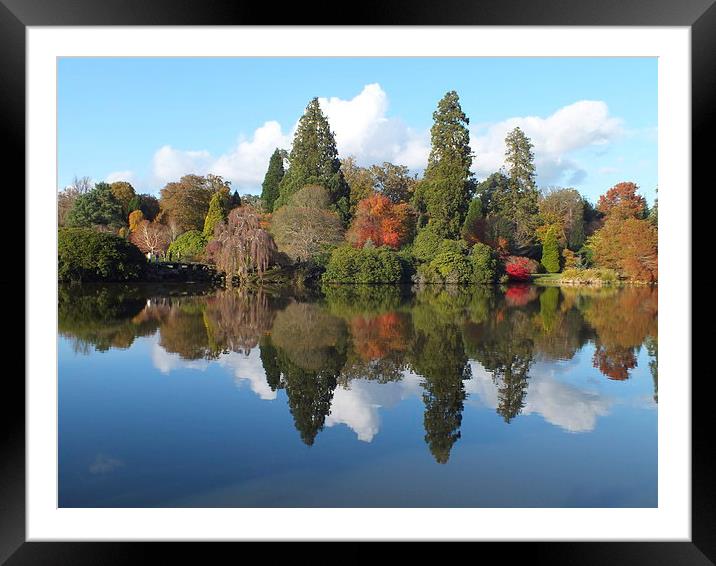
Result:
[
  {"x": 550, "y": 251},
  {"x": 314, "y": 161},
  {"x": 448, "y": 185},
  {"x": 274, "y": 174}
]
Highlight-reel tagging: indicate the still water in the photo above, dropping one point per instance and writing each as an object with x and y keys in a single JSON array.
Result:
[{"x": 365, "y": 397}]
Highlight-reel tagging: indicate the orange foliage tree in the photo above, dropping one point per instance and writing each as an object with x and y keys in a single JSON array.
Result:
[
  {"x": 622, "y": 201},
  {"x": 382, "y": 222},
  {"x": 630, "y": 246}
]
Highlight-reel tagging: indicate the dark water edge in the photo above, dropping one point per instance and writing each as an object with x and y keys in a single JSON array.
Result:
[{"x": 178, "y": 395}]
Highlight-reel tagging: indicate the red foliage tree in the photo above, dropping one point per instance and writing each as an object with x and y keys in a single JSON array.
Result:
[
  {"x": 518, "y": 268},
  {"x": 382, "y": 222},
  {"x": 622, "y": 201}
]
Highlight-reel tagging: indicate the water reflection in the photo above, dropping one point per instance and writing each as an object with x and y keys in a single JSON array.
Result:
[{"x": 338, "y": 358}]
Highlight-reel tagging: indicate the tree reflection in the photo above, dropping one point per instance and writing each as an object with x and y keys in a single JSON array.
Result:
[
  {"x": 438, "y": 354},
  {"x": 622, "y": 320},
  {"x": 380, "y": 334},
  {"x": 310, "y": 351}
]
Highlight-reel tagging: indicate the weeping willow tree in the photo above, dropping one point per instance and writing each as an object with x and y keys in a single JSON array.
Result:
[{"x": 241, "y": 246}]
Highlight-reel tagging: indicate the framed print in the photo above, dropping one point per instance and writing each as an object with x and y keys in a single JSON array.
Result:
[{"x": 393, "y": 278}]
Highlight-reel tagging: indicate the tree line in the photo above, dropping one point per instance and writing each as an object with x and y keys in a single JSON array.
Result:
[{"x": 380, "y": 224}]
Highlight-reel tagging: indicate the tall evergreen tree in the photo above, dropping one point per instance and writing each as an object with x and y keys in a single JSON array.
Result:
[
  {"x": 444, "y": 194},
  {"x": 274, "y": 174},
  {"x": 518, "y": 201},
  {"x": 314, "y": 161}
]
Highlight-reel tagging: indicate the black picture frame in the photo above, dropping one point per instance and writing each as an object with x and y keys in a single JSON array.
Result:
[{"x": 16, "y": 15}]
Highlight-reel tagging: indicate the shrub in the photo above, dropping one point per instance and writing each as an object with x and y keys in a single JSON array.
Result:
[
  {"x": 363, "y": 265},
  {"x": 450, "y": 267},
  {"x": 190, "y": 246},
  {"x": 426, "y": 244},
  {"x": 484, "y": 264},
  {"x": 86, "y": 255},
  {"x": 519, "y": 268}
]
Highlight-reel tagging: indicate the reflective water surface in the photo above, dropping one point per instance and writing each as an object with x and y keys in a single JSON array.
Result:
[{"x": 366, "y": 397}]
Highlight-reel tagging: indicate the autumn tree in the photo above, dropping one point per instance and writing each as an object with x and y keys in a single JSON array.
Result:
[
  {"x": 314, "y": 161},
  {"x": 563, "y": 209},
  {"x": 124, "y": 193},
  {"x": 307, "y": 225},
  {"x": 150, "y": 237},
  {"x": 622, "y": 201},
  {"x": 393, "y": 181},
  {"x": 382, "y": 222},
  {"x": 272, "y": 179},
  {"x": 443, "y": 196},
  {"x": 135, "y": 217},
  {"x": 360, "y": 181},
  {"x": 98, "y": 207},
  {"x": 187, "y": 200},
  {"x": 629, "y": 246},
  {"x": 241, "y": 245}
]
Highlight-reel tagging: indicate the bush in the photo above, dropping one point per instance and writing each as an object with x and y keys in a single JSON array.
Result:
[
  {"x": 190, "y": 246},
  {"x": 450, "y": 268},
  {"x": 364, "y": 266},
  {"x": 520, "y": 268},
  {"x": 426, "y": 243},
  {"x": 571, "y": 259},
  {"x": 484, "y": 264},
  {"x": 86, "y": 255}
]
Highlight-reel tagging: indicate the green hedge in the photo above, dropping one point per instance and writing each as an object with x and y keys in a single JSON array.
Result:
[
  {"x": 363, "y": 266},
  {"x": 86, "y": 255},
  {"x": 452, "y": 266},
  {"x": 190, "y": 246}
]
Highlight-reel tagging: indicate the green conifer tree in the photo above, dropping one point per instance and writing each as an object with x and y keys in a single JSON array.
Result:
[
  {"x": 314, "y": 161},
  {"x": 550, "y": 251},
  {"x": 448, "y": 185},
  {"x": 274, "y": 174}
]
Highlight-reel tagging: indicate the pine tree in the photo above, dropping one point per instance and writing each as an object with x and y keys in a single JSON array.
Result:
[
  {"x": 448, "y": 185},
  {"x": 550, "y": 251},
  {"x": 217, "y": 213},
  {"x": 314, "y": 161},
  {"x": 274, "y": 174}
]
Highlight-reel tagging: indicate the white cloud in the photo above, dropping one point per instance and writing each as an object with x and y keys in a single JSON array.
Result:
[
  {"x": 580, "y": 125},
  {"x": 363, "y": 129},
  {"x": 169, "y": 164},
  {"x": 120, "y": 176},
  {"x": 361, "y": 126}
]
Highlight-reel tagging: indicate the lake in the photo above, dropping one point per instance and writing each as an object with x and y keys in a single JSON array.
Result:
[{"x": 520, "y": 396}]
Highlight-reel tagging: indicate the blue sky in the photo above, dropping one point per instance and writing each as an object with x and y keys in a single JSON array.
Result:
[{"x": 593, "y": 121}]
